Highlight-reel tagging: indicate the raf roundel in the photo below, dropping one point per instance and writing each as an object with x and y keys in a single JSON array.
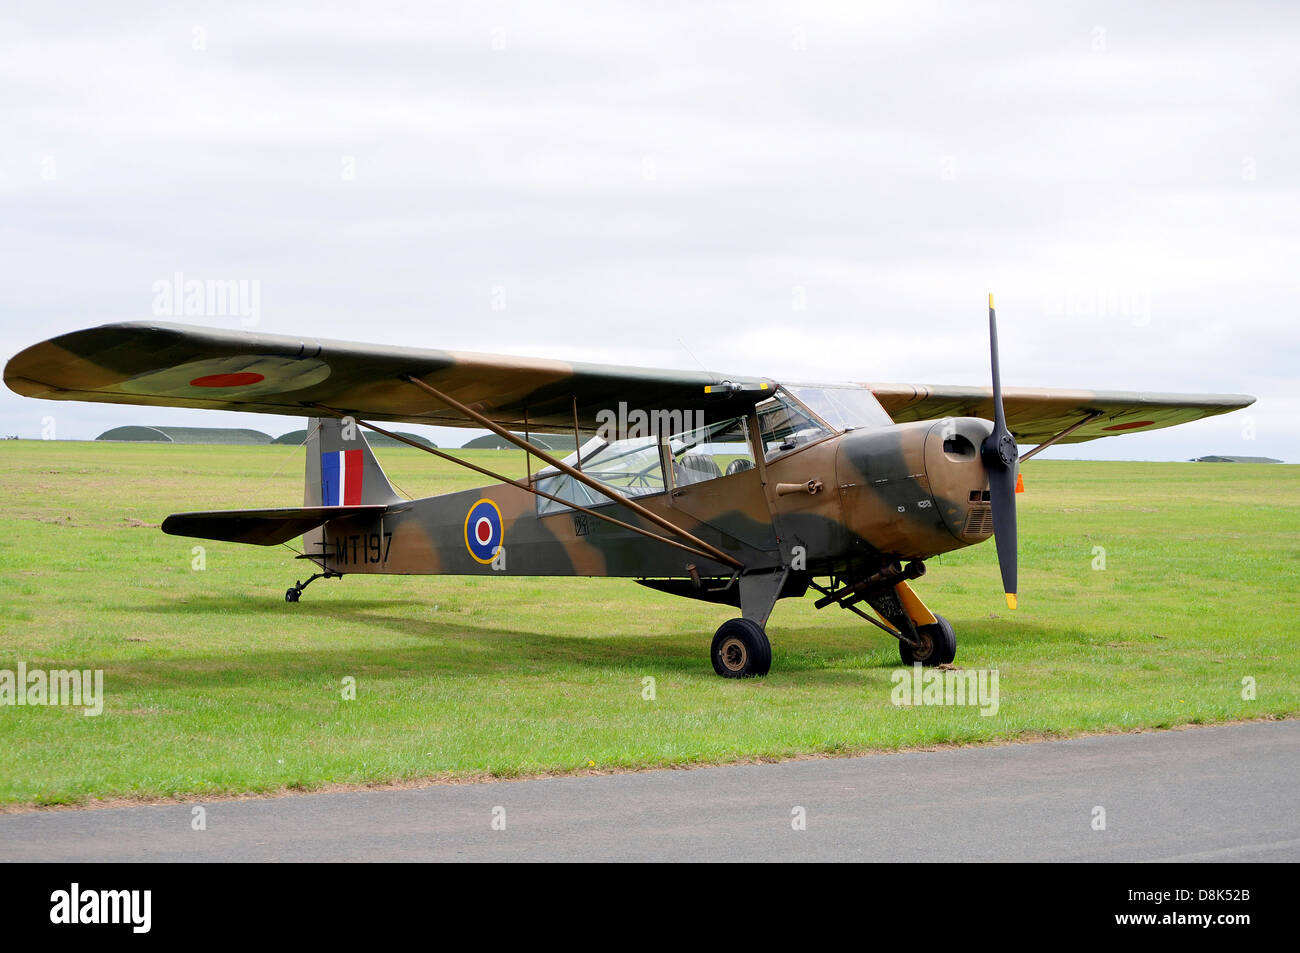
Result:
[{"x": 483, "y": 531}]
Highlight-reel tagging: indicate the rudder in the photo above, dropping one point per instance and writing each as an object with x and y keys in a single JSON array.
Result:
[{"x": 341, "y": 467}]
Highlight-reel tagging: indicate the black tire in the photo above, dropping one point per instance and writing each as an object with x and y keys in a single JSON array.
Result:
[
  {"x": 938, "y": 644},
  {"x": 291, "y": 595},
  {"x": 741, "y": 649}
]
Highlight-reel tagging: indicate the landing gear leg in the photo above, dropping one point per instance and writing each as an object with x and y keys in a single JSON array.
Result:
[
  {"x": 740, "y": 646},
  {"x": 294, "y": 592}
]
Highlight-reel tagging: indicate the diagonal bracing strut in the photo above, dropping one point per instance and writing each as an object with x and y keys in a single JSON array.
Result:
[
  {"x": 1064, "y": 433},
  {"x": 712, "y": 551},
  {"x": 532, "y": 489}
]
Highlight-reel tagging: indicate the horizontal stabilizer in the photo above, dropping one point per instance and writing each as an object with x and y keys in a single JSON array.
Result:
[{"x": 261, "y": 527}]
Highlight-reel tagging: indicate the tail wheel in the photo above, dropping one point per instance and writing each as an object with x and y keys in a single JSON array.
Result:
[
  {"x": 938, "y": 644},
  {"x": 741, "y": 649}
]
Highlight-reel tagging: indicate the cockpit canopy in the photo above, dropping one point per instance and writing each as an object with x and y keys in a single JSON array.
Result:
[
  {"x": 843, "y": 406},
  {"x": 795, "y": 416}
]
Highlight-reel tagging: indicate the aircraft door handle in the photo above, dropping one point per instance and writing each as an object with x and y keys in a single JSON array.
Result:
[{"x": 812, "y": 487}]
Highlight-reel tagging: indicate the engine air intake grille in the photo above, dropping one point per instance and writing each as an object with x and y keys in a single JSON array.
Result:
[{"x": 979, "y": 521}]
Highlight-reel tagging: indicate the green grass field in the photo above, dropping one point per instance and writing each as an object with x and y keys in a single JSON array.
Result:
[{"x": 214, "y": 685}]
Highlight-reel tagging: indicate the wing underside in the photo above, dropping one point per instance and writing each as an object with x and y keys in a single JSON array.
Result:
[{"x": 1038, "y": 414}]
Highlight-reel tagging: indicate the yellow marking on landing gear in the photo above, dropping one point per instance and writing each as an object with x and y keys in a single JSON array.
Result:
[{"x": 916, "y": 609}]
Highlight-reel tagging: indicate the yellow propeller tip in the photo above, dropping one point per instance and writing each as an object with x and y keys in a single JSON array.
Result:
[
  {"x": 1011, "y": 600},
  {"x": 990, "y": 299}
]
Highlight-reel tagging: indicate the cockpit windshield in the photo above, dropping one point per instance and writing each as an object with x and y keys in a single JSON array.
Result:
[
  {"x": 843, "y": 406},
  {"x": 786, "y": 426}
]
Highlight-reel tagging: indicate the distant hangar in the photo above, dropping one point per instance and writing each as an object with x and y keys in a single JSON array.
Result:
[
  {"x": 232, "y": 436},
  {"x": 213, "y": 435}
]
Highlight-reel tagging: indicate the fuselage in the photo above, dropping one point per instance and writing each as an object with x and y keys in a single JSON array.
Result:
[{"x": 903, "y": 491}]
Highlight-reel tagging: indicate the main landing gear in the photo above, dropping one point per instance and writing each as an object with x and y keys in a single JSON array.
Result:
[
  {"x": 294, "y": 592},
  {"x": 740, "y": 646},
  {"x": 741, "y": 649}
]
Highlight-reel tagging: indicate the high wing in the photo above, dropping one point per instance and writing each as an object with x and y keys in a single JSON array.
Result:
[
  {"x": 171, "y": 365},
  {"x": 174, "y": 365},
  {"x": 1037, "y": 414}
]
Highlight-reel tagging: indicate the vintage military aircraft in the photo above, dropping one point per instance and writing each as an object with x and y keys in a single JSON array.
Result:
[{"x": 734, "y": 490}]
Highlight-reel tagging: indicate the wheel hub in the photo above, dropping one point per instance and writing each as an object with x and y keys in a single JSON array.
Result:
[{"x": 734, "y": 654}]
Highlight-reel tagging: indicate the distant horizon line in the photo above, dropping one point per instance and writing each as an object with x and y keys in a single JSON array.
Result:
[{"x": 1260, "y": 461}]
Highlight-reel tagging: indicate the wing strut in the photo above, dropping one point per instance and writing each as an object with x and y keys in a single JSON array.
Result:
[
  {"x": 536, "y": 492},
  {"x": 712, "y": 551},
  {"x": 1064, "y": 433}
]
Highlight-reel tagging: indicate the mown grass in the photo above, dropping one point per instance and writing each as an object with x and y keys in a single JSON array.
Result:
[{"x": 216, "y": 686}]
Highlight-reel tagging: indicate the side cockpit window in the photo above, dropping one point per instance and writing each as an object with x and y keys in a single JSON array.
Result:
[
  {"x": 637, "y": 466},
  {"x": 706, "y": 453},
  {"x": 645, "y": 465}
]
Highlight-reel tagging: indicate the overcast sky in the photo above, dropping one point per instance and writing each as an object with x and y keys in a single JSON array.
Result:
[{"x": 804, "y": 191}]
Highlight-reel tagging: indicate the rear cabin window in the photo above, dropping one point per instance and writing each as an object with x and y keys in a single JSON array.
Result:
[
  {"x": 635, "y": 466},
  {"x": 630, "y": 466}
]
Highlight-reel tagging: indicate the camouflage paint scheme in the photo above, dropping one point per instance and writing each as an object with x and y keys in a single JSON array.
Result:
[
  {"x": 154, "y": 363},
  {"x": 873, "y": 498}
]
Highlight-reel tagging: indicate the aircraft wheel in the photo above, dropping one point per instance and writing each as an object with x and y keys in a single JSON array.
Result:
[
  {"x": 292, "y": 595},
  {"x": 741, "y": 649},
  {"x": 938, "y": 644}
]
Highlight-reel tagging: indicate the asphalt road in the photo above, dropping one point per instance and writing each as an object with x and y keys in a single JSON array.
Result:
[{"x": 1227, "y": 793}]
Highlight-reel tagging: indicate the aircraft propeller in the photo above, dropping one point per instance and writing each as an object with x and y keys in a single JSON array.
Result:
[{"x": 1001, "y": 458}]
